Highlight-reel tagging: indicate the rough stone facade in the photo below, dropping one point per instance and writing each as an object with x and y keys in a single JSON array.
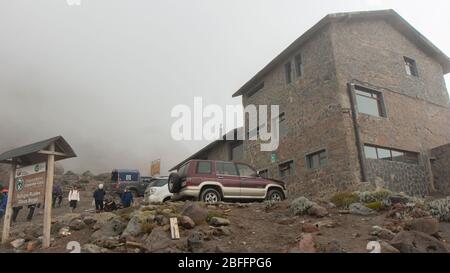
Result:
[
  {"x": 441, "y": 168},
  {"x": 398, "y": 176}
]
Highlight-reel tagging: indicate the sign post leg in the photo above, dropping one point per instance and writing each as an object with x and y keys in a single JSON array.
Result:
[
  {"x": 7, "y": 221},
  {"x": 48, "y": 198}
]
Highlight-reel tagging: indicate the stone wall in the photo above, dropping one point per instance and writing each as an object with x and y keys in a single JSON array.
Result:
[
  {"x": 440, "y": 166},
  {"x": 398, "y": 176}
]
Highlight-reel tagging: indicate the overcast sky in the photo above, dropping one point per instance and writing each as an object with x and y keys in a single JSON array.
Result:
[{"x": 106, "y": 74}]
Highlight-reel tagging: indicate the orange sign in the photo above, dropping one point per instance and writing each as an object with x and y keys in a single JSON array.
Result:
[{"x": 155, "y": 168}]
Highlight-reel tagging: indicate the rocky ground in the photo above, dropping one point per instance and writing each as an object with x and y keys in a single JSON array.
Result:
[{"x": 347, "y": 222}]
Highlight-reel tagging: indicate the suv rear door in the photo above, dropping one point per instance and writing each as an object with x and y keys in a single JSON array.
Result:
[
  {"x": 252, "y": 186},
  {"x": 227, "y": 174}
]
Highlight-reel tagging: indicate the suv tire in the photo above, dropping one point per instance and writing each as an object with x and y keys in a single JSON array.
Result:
[
  {"x": 275, "y": 195},
  {"x": 174, "y": 183},
  {"x": 210, "y": 195}
]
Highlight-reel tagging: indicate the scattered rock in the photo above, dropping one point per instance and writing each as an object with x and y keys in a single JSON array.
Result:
[
  {"x": 398, "y": 199},
  {"x": 417, "y": 242},
  {"x": 327, "y": 224},
  {"x": 286, "y": 221},
  {"x": 17, "y": 243},
  {"x": 90, "y": 221},
  {"x": 309, "y": 228},
  {"x": 112, "y": 228},
  {"x": 66, "y": 219},
  {"x": 31, "y": 246},
  {"x": 360, "y": 209},
  {"x": 218, "y": 222},
  {"x": 64, "y": 232},
  {"x": 307, "y": 244},
  {"x": 195, "y": 212},
  {"x": 222, "y": 231},
  {"x": 157, "y": 241},
  {"x": 429, "y": 226},
  {"x": 77, "y": 224},
  {"x": 195, "y": 241},
  {"x": 382, "y": 233},
  {"x": 134, "y": 227},
  {"x": 334, "y": 247},
  {"x": 187, "y": 222},
  {"x": 387, "y": 248},
  {"x": 91, "y": 248},
  {"x": 317, "y": 211}
]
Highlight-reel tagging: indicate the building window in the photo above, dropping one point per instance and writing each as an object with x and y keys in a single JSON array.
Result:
[
  {"x": 411, "y": 67},
  {"x": 298, "y": 65},
  {"x": 288, "y": 72},
  {"x": 237, "y": 151},
  {"x": 369, "y": 102},
  {"x": 204, "y": 168},
  {"x": 317, "y": 160},
  {"x": 282, "y": 124},
  {"x": 286, "y": 169},
  {"x": 264, "y": 173},
  {"x": 374, "y": 152}
]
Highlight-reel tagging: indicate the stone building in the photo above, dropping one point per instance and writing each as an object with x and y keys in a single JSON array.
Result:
[{"x": 362, "y": 97}]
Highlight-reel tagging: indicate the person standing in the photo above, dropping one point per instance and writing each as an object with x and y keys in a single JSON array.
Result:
[
  {"x": 127, "y": 198},
  {"x": 57, "y": 195},
  {"x": 31, "y": 212},
  {"x": 4, "y": 202},
  {"x": 74, "y": 198},
  {"x": 15, "y": 213},
  {"x": 99, "y": 198}
]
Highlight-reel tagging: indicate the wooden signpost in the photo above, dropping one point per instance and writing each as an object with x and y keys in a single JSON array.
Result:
[{"x": 31, "y": 179}]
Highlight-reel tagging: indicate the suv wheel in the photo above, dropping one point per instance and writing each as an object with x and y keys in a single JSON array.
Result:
[
  {"x": 174, "y": 183},
  {"x": 210, "y": 196},
  {"x": 275, "y": 195}
]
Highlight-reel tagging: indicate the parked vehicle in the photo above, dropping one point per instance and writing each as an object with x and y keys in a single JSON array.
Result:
[
  {"x": 212, "y": 181},
  {"x": 121, "y": 179},
  {"x": 157, "y": 191}
]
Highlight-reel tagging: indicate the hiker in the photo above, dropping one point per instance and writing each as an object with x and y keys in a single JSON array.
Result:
[
  {"x": 110, "y": 205},
  {"x": 57, "y": 195},
  {"x": 74, "y": 198},
  {"x": 4, "y": 202},
  {"x": 99, "y": 198},
  {"x": 31, "y": 212},
  {"x": 127, "y": 198}
]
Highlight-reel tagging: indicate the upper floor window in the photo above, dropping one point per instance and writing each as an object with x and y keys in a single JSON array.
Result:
[
  {"x": 411, "y": 67},
  {"x": 286, "y": 169},
  {"x": 317, "y": 160},
  {"x": 288, "y": 72},
  {"x": 298, "y": 65},
  {"x": 373, "y": 152},
  {"x": 369, "y": 102}
]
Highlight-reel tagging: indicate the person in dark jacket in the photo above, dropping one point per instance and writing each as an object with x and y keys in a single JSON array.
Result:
[
  {"x": 57, "y": 195},
  {"x": 99, "y": 198},
  {"x": 127, "y": 198},
  {"x": 15, "y": 213},
  {"x": 3, "y": 203},
  {"x": 31, "y": 212}
]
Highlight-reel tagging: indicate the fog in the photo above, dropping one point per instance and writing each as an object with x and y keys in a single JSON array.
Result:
[{"x": 106, "y": 74}]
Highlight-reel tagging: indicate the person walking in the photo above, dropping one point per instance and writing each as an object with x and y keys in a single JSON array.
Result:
[
  {"x": 99, "y": 198},
  {"x": 57, "y": 196},
  {"x": 74, "y": 198},
  {"x": 127, "y": 198}
]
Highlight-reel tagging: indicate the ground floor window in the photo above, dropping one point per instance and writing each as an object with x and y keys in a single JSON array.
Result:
[
  {"x": 382, "y": 153},
  {"x": 316, "y": 160},
  {"x": 286, "y": 169}
]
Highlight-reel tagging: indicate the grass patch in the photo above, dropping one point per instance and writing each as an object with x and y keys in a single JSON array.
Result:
[
  {"x": 377, "y": 205},
  {"x": 212, "y": 214},
  {"x": 344, "y": 199}
]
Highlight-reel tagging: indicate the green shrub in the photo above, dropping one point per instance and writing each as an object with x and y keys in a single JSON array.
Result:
[
  {"x": 377, "y": 205},
  {"x": 344, "y": 199}
]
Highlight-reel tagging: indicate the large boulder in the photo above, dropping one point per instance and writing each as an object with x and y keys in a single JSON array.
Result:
[
  {"x": 112, "y": 228},
  {"x": 195, "y": 242},
  {"x": 317, "y": 211},
  {"x": 360, "y": 209},
  {"x": 77, "y": 224},
  {"x": 382, "y": 233},
  {"x": 157, "y": 241},
  {"x": 140, "y": 222},
  {"x": 218, "y": 222},
  {"x": 187, "y": 222},
  {"x": 429, "y": 226},
  {"x": 301, "y": 205},
  {"x": 417, "y": 242},
  {"x": 195, "y": 212}
]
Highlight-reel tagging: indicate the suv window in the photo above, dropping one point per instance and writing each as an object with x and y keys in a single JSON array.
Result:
[
  {"x": 204, "y": 167},
  {"x": 158, "y": 183},
  {"x": 182, "y": 170},
  {"x": 245, "y": 171},
  {"x": 226, "y": 168}
]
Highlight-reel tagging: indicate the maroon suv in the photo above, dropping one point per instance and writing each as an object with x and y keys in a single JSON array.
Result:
[{"x": 212, "y": 181}]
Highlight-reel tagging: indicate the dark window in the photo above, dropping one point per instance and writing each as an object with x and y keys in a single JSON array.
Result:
[
  {"x": 373, "y": 152},
  {"x": 288, "y": 72},
  {"x": 286, "y": 169},
  {"x": 158, "y": 183},
  {"x": 237, "y": 151},
  {"x": 264, "y": 173},
  {"x": 128, "y": 176},
  {"x": 183, "y": 170},
  {"x": 245, "y": 171},
  {"x": 204, "y": 167},
  {"x": 283, "y": 127},
  {"x": 298, "y": 65},
  {"x": 317, "y": 160},
  {"x": 369, "y": 102},
  {"x": 226, "y": 168},
  {"x": 411, "y": 67}
]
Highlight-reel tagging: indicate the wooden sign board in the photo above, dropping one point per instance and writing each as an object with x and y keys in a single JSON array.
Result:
[
  {"x": 155, "y": 168},
  {"x": 174, "y": 231},
  {"x": 29, "y": 185}
]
